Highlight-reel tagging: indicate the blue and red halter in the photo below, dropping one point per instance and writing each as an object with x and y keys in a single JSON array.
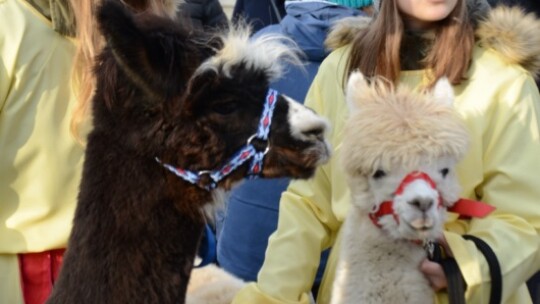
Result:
[{"x": 247, "y": 152}]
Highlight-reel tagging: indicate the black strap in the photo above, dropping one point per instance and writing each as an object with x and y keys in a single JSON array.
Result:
[
  {"x": 494, "y": 268},
  {"x": 454, "y": 279},
  {"x": 456, "y": 283}
]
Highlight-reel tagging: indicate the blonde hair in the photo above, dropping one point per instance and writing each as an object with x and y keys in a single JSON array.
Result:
[
  {"x": 376, "y": 50},
  {"x": 89, "y": 44}
]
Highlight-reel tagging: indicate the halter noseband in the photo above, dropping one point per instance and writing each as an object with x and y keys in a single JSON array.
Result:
[
  {"x": 244, "y": 154},
  {"x": 386, "y": 207}
]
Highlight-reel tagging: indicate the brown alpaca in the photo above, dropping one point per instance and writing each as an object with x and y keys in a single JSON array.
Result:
[{"x": 167, "y": 102}]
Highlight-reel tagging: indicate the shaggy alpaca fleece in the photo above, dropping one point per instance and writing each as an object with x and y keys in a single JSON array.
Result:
[
  {"x": 395, "y": 131},
  {"x": 411, "y": 125}
]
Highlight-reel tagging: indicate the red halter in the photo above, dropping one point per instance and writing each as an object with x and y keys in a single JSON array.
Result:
[{"x": 466, "y": 208}]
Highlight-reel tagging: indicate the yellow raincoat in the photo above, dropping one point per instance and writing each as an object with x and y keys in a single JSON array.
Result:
[
  {"x": 500, "y": 104},
  {"x": 40, "y": 162}
]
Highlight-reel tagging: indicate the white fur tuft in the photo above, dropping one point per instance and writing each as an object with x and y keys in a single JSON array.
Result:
[
  {"x": 443, "y": 91},
  {"x": 270, "y": 53},
  {"x": 355, "y": 84}
]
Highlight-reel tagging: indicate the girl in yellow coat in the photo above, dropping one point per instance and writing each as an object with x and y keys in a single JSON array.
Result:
[{"x": 490, "y": 58}]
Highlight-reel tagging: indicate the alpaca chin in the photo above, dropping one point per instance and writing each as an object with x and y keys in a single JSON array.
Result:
[{"x": 417, "y": 229}]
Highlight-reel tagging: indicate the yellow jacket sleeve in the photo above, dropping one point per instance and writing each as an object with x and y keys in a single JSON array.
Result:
[{"x": 510, "y": 147}]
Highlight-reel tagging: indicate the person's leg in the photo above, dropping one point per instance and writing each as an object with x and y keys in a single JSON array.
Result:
[{"x": 38, "y": 272}]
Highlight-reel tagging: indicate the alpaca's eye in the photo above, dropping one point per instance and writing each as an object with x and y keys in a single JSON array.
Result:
[
  {"x": 225, "y": 108},
  {"x": 444, "y": 172},
  {"x": 379, "y": 174}
]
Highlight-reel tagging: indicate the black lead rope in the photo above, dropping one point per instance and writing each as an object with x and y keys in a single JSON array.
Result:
[
  {"x": 494, "y": 268},
  {"x": 455, "y": 281}
]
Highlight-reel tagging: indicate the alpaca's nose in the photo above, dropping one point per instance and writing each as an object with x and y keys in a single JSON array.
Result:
[
  {"x": 305, "y": 123},
  {"x": 422, "y": 203}
]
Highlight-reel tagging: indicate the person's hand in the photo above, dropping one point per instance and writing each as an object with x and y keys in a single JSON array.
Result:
[{"x": 434, "y": 273}]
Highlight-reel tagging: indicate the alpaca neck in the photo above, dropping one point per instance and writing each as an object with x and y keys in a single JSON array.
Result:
[{"x": 135, "y": 234}]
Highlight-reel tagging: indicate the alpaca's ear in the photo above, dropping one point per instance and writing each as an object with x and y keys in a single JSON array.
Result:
[
  {"x": 443, "y": 91},
  {"x": 116, "y": 24},
  {"x": 146, "y": 56},
  {"x": 201, "y": 89},
  {"x": 356, "y": 87}
]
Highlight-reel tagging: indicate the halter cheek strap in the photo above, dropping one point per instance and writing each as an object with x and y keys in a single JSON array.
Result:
[
  {"x": 262, "y": 133},
  {"x": 244, "y": 154}
]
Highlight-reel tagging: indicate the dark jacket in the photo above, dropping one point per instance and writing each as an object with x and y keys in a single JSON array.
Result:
[
  {"x": 204, "y": 13},
  {"x": 259, "y": 13}
]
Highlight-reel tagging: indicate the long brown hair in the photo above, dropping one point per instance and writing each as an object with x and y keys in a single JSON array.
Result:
[
  {"x": 90, "y": 43},
  {"x": 376, "y": 50}
]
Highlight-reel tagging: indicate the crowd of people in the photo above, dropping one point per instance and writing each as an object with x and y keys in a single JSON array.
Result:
[{"x": 282, "y": 236}]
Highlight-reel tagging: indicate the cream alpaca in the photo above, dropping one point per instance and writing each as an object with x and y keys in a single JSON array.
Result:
[{"x": 391, "y": 133}]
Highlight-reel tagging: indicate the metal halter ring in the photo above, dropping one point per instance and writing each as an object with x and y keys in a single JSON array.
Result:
[
  {"x": 252, "y": 137},
  {"x": 212, "y": 184},
  {"x": 203, "y": 172}
]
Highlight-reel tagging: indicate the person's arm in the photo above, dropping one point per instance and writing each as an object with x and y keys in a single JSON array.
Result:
[{"x": 511, "y": 164}]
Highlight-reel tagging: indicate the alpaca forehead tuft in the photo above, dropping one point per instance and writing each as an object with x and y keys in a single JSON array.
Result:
[
  {"x": 402, "y": 127},
  {"x": 268, "y": 53}
]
